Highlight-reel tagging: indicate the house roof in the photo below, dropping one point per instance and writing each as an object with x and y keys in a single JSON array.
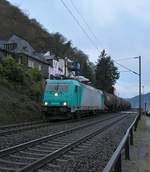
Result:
[
  {"x": 2, "y": 42},
  {"x": 23, "y": 47},
  {"x": 48, "y": 56},
  {"x": 39, "y": 57}
]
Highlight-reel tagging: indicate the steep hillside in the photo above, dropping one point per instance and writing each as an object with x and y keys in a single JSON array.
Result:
[
  {"x": 14, "y": 21},
  {"x": 16, "y": 106},
  {"x": 135, "y": 100}
]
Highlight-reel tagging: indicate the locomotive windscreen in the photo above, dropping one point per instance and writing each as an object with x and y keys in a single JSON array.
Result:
[{"x": 57, "y": 87}]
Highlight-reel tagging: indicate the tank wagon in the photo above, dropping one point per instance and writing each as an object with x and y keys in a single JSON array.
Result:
[
  {"x": 65, "y": 98},
  {"x": 114, "y": 103}
]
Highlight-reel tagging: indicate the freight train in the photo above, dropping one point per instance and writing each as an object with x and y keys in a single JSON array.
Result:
[{"x": 71, "y": 98}]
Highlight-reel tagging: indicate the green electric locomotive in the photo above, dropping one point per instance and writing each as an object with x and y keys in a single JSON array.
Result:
[
  {"x": 71, "y": 98},
  {"x": 65, "y": 98}
]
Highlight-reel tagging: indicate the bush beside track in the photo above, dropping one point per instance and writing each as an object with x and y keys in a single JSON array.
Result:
[{"x": 20, "y": 93}]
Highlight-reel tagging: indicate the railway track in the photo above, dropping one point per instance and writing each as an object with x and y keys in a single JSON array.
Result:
[
  {"x": 15, "y": 128},
  {"x": 10, "y": 129},
  {"x": 34, "y": 154}
]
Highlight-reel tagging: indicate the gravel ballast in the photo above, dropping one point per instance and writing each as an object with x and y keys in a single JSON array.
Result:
[
  {"x": 27, "y": 135},
  {"x": 93, "y": 155}
]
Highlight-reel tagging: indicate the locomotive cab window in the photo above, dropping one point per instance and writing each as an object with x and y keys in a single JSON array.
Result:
[
  {"x": 76, "y": 88},
  {"x": 57, "y": 87}
]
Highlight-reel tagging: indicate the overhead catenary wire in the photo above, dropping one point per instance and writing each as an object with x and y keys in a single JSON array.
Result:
[
  {"x": 130, "y": 70},
  {"x": 123, "y": 71},
  {"x": 89, "y": 38},
  {"x": 85, "y": 22},
  {"x": 125, "y": 59},
  {"x": 81, "y": 27}
]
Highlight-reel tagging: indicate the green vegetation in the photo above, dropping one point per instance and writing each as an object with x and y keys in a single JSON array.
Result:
[
  {"x": 20, "y": 92},
  {"x": 42, "y": 41},
  {"x": 17, "y": 22},
  {"x": 106, "y": 73},
  {"x": 19, "y": 86},
  {"x": 19, "y": 74},
  {"x": 16, "y": 106},
  {"x": 147, "y": 170}
]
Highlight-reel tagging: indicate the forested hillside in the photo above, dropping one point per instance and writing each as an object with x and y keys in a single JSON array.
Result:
[{"x": 14, "y": 21}]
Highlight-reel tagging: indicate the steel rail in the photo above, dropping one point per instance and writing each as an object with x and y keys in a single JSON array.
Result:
[
  {"x": 19, "y": 147},
  {"x": 13, "y": 128},
  {"x": 3, "y": 127},
  {"x": 51, "y": 156},
  {"x": 28, "y": 127}
]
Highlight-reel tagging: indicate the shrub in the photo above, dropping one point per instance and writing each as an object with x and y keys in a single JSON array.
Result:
[
  {"x": 33, "y": 75},
  {"x": 1, "y": 69},
  {"x": 28, "y": 79},
  {"x": 36, "y": 91},
  {"x": 11, "y": 70}
]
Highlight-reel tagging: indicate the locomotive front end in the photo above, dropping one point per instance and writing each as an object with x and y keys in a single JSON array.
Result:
[{"x": 56, "y": 97}]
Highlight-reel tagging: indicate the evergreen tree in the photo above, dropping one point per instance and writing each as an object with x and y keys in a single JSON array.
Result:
[{"x": 106, "y": 73}]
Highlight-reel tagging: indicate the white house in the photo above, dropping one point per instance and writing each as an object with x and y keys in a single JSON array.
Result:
[
  {"x": 61, "y": 67},
  {"x": 58, "y": 67},
  {"x": 50, "y": 59}
]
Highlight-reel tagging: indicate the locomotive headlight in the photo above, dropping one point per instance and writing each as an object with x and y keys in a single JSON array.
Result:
[
  {"x": 56, "y": 94},
  {"x": 65, "y": 103},
  {"x": 46, "y": 103}
]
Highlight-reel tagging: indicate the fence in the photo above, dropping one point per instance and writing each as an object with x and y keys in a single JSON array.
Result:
[{"x": 115, "y": 163}]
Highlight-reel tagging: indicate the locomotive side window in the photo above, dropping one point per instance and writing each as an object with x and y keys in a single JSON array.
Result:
[{"x": 76, "y": 88}]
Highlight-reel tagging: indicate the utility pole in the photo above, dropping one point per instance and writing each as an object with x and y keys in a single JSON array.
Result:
[
  {"x": 139, "y": 87},
  {"x": 143, "y": 98},
  {"x": 66, "y": 59},
  {"x": 145, "y": 107},
  {"x": 139, "y": 74}
]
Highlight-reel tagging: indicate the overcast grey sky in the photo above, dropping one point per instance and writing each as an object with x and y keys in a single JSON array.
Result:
[{"x": 122, "y": 28}]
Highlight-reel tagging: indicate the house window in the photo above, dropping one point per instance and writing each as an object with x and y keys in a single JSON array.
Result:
[
  {"x": 19, "y": 60},
  {"x": 10, "y": 46},
  {"x": 6, "y": 46},
  {"x": 14, "y": 46},
  {"x": 30, "y": 64},
  {"x": 39, "y": 67}
]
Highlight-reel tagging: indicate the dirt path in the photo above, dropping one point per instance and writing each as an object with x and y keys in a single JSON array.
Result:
[{"x": 140, "y": 152}]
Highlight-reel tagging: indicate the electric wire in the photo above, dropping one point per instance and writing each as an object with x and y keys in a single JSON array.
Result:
[
  {"x": 130, "y": 70},
  {"x": 89, "y": 38},
  {"x": 81, "y": 27},
  {"x": 125, "y": 59},
  {"x": 85, "y": 22}
]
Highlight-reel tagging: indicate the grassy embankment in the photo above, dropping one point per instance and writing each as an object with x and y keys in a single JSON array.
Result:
[
  {"x": 16, "y": 106},
  {"x": 20, "y": 92}
]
